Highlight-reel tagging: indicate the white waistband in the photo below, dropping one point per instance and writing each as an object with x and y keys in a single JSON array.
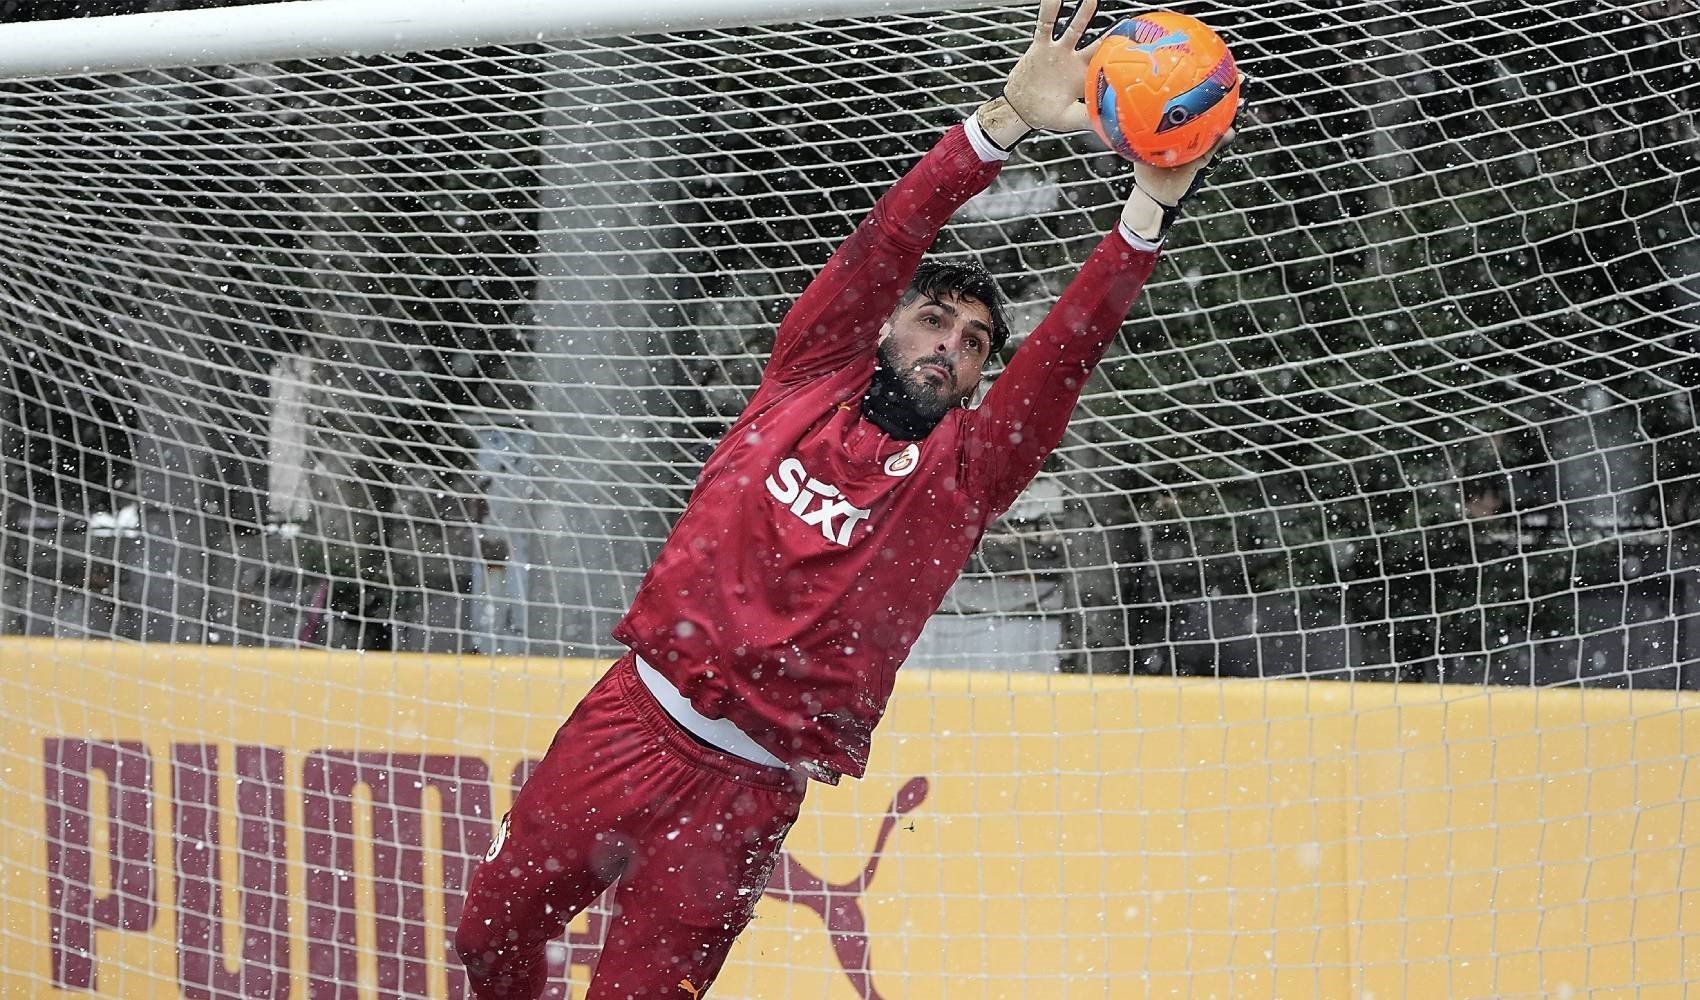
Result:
[{"x": 722, "y": 734}]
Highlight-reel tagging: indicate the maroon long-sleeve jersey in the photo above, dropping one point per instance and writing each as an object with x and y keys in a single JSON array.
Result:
[{"x": 815, "y": 546}]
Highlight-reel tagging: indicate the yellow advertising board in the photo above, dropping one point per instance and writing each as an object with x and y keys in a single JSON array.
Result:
[{"x": 203, "y": 822}]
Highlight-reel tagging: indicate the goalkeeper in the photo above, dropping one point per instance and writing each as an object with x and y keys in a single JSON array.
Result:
[{"x": 824, "y": 530}]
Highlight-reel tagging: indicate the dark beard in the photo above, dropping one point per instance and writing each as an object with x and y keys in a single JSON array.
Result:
[{"x": 900, "y": 403}]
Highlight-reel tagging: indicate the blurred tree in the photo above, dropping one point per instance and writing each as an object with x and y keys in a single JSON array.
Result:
[
  {"x": 1437, "y": 410},
  {"x": 429, "y": 216},
  {"x": 422, "y": 249}
]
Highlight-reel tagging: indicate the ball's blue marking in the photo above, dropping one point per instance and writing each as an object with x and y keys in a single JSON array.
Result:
[
  {"x": 1185, "y": 107},
  {"x": 1148, "y": 37},
  {"x": 1108, "y": 117}
]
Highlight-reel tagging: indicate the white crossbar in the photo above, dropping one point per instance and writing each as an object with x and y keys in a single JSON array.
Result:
[{"x": 305, "y": 29}]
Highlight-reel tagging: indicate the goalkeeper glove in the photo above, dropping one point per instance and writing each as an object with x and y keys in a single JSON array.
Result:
[
  {"x": 1160, "y": 192},
  {"x": 1045, "y": 88}
]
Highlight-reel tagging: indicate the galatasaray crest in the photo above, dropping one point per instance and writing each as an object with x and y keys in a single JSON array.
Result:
[{"x": 902, "y": 463}]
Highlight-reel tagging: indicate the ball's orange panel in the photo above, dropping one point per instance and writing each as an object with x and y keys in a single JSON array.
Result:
[{"x": 1162, "y": 88}]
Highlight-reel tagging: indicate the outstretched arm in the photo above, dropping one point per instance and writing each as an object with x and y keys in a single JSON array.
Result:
[
  {"x": 1025, "y": 413},
  {"x": 838, "y": 317}
]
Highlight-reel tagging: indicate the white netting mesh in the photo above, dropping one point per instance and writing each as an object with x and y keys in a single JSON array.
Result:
[
  {"x": 1412, "y": 388},
  {"x": 421, "y": 352}
]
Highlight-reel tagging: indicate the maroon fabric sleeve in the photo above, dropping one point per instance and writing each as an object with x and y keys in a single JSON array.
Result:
[
  {"x": 839, "y": 315},
  {"x": 1028, "y": 408}
]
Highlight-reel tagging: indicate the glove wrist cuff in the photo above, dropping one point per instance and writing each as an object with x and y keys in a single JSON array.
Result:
[
  {"x": 1010, "y": 141},
  {"x": 1170, "y": 212}
]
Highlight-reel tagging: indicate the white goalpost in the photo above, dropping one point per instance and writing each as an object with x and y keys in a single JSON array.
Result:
[{"x": 360, "y": 354}]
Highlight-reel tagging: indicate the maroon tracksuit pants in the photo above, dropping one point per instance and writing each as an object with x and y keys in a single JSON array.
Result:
[{"x": 624, "y": 795}]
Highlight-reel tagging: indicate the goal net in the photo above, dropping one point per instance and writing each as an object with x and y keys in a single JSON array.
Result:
[{"x": 416, "y": 355}]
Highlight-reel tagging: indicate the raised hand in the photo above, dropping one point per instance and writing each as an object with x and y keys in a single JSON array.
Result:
[{"x": 1047, "y": 85}]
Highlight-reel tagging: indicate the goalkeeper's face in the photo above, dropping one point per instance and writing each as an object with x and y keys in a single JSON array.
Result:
[{"x": 937, "y": 348}]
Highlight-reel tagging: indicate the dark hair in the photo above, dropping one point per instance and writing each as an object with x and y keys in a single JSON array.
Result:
[{"x": 967, "y": 279}]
